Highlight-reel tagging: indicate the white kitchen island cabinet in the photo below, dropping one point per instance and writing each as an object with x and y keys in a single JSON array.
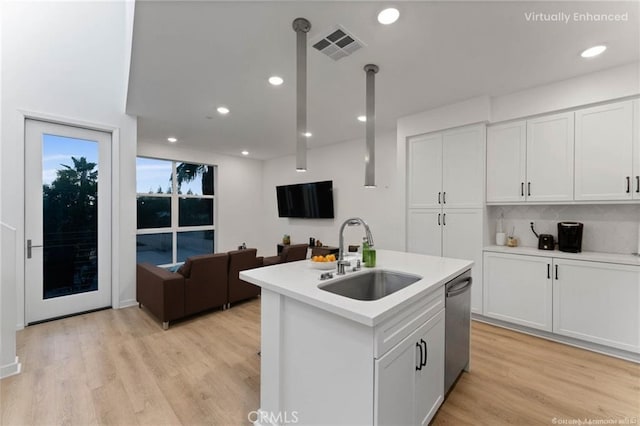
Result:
[{"x": 329, "y": 359}]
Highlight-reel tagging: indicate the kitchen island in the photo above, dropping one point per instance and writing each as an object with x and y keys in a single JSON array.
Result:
[{"x": 331, "y": 359}]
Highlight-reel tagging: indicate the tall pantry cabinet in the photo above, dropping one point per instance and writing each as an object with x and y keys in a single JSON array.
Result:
[{"x": 445, "y": 198}]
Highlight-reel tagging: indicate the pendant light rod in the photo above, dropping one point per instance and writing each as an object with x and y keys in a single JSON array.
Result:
[
  {"x": 301, "y": 26},
  {"x": 370, "y": 154}
]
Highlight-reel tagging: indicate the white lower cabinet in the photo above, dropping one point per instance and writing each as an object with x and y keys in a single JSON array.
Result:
[
  {"x": 455, "y": 233},
  {"x": 518, "y": 289},
  {"x": 597, "y": 302},
  {"x": 409, "y": 378}
]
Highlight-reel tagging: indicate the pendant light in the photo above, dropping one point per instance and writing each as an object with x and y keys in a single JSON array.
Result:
[
  {"x": 301, "y": 26},
  {"x": 370, "y": 155}
]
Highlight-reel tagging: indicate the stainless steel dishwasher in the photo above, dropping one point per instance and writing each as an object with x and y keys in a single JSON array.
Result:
[{"x": 457, "y": 327}]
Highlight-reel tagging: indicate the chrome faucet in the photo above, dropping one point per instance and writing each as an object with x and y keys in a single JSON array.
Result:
[{"x": 350, "y": 222}]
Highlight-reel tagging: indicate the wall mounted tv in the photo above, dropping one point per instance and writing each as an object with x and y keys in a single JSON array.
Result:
[{"x": 312, "y": 200}]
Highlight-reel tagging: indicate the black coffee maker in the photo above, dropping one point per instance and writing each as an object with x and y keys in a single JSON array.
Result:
[{"x": 570, "y": 236}]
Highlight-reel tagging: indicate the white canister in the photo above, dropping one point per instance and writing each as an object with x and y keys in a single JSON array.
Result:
[{"x": 501, "y": 238}]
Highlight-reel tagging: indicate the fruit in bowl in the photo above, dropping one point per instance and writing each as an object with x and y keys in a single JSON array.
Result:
[{"x": 324, "y": 262}]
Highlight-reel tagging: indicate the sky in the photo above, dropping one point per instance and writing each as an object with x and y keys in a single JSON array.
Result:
[
  {"x": 58, "y": 150},
  {"x": 151, "y": 173}
]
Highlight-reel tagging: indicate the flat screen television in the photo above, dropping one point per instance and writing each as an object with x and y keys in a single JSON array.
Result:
[{"x": 312, "y": 200}]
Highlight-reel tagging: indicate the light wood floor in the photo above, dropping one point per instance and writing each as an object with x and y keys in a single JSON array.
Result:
[{"x": 120, "y": 367}]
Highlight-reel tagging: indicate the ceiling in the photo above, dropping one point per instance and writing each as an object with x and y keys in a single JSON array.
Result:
[{"x": 191, "y": 57}]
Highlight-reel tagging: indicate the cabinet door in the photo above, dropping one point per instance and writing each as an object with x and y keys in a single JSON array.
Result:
[
  {"x": 550, "y": 158},
  {"x": 598, "y": 302},
  {"x": 604, "y": 153},
  {"x": 429, "y": 380},
  {"x": 518, "y": 289},
  {"x": 409, "y": 391},
  {"x": 463, "y": 167},
  {"x": 424, "y": 231},
  {"x": 506, "y": 162},
  {"x": 636, "y": 149},
  {"x": 462, "y": 239},
  {"x": 424, "y": 171}
]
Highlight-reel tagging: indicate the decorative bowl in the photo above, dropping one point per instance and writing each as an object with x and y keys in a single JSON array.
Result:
[{"x": 324, "y": 265}]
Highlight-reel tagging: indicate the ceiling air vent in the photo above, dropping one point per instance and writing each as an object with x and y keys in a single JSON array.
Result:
[{"x": 337, "y": 43}]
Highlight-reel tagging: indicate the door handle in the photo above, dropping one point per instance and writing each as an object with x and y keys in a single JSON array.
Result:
[
  {"x": 426, "y": 352},
  {"x": 419, "y": 365},
  {"x": 444, "y": 218},
  {"x": 438, "y": 219},
  {"x": 528, "y": 189},
  {"x": 439, "y": 194},
  {"x": 628, "y": 184},
  {"x": 29, "y": 247},
  {"x": 556, "y": 272}
]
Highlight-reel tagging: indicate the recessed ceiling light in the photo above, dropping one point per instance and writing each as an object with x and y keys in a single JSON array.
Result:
[
  {"x": 307, "y": 134},
  {"x": 388, "y": 16},
  {"x": 223, "y": 110},
  {"x": 362, "y": 118},
  {"x": 275, "y": 80},
  {"x": 245, "y": 152},
  {"x": 593, "y": 51},
  {"x": 172, "y": 140}
]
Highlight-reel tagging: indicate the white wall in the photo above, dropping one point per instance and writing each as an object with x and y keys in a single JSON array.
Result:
[
  {"x": 239, "y": 213},
  {"x": 69, "y": 60},
  {"x": 613, "y": 83},
  {"x": 344, "y": 164}
]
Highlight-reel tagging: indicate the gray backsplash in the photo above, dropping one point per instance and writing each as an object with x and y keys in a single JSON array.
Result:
[{"x": 607, "y": 228}]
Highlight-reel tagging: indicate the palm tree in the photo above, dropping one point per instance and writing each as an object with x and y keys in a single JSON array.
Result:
[{"x": 187, "y": 172}]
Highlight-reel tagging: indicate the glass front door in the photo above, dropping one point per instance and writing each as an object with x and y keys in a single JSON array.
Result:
[{"x": 68, "y": 219}]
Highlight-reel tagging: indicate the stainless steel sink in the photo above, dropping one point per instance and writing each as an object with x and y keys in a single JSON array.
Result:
[{"x": 371, "y": 285}]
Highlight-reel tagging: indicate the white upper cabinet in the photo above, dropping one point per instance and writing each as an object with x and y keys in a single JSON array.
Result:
[
  {"x": 446, "y": 169},
  {"x": 506, "y": 162},
  {"x": 462, "y": 167},
  {"x": 550, "y": 145},
  {"x": 424, "y": 172},
  {"x": 604, "y": 153}
]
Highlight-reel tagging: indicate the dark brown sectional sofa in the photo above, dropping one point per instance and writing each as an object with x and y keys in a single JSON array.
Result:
[{"x": 203, "y": 282}]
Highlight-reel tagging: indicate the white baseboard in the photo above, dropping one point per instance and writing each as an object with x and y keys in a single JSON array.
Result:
[
  {"x": 10, "y": 369},
  {"x": 127, "y": 303}
]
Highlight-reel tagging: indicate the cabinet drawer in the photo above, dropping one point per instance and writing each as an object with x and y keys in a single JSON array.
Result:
[{"x": 393, "y": 331}]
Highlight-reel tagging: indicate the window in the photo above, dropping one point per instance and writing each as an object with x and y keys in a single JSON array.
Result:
[{"x": 175, "y": 210}]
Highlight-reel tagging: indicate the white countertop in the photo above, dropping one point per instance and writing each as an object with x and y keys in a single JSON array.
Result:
[
  {"x": 624, "y": 259},
  {"x": 300, "y": 281}
]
